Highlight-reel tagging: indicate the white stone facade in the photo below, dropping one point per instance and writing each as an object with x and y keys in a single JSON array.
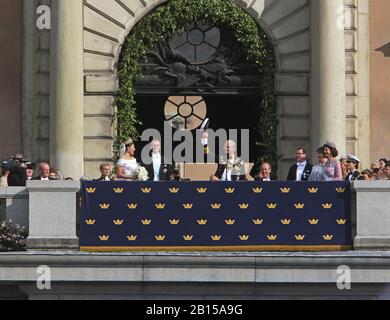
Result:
[{"x": 287, "y": 23}]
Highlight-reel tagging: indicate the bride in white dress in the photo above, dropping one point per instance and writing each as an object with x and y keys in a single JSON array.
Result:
[{"x": 127, "y": 164}]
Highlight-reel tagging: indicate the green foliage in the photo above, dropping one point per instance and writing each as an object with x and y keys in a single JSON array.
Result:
[{"x": 173, "y": 17}]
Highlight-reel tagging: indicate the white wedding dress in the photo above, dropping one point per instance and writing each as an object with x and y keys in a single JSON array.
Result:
[{"x": 130, "y": 167}]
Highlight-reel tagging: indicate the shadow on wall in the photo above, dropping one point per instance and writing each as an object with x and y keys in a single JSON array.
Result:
[{"x": 385, "y": 50}]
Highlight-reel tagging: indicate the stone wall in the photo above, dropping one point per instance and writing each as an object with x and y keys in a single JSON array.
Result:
[{"x": 107, "y": 23}]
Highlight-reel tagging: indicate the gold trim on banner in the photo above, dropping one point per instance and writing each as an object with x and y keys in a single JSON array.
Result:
[{"x": 217, "y": 249}]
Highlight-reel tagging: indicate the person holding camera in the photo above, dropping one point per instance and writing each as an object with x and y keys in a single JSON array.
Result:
[{"x": 16, "y": 168}]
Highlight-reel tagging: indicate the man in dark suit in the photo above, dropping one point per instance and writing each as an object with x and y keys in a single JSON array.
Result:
[
  {"x": 265, "y": 172},
  {"x": 105, "y": 172},
  {"x": 159, "y": 169},
  {"x": 44, "y": 172},
  {"x": 353, "y": 166},
  {"x": 301, "y": 170}
]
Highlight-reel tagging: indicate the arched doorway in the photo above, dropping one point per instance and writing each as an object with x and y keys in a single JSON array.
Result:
[
  {"x": 217, "y": 54},
  {"x": 196, "y": 74}
]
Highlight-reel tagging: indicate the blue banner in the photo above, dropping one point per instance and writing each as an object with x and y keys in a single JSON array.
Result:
[{"x": 223, "y": 216}]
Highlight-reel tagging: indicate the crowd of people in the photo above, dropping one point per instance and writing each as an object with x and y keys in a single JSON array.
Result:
[
  {"x": 329, "y": 168},
  {"x": 16, "y": 171}
]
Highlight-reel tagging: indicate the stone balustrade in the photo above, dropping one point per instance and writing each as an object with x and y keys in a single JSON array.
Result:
[{"x": 49, "y": 209}]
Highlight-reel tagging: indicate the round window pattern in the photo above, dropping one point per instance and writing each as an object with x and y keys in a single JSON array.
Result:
[
  {"x": 185, "y": 112},
  {"x": 198, "y": 43}
]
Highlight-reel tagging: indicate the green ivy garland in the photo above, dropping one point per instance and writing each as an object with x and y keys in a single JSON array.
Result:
[{"x": 174, "y": 17}]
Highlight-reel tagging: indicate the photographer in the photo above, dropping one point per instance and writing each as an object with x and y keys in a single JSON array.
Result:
[{"x": 16, "y": 168}]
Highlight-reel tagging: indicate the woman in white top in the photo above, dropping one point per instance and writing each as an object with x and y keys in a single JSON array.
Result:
[
  {"x": 127, "y": 164},
  {"x": 317, "y": 173}
]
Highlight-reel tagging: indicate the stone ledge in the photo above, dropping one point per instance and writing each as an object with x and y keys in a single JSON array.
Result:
[
  {"x": 366, "y": 267},
  {"x": 371, "y": 186},
  {"x": 53, "y": 186},
  {"x": 372, "y": 242}
]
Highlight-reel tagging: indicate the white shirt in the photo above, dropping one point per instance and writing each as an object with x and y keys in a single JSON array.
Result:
[
  {"x": 156, "y": 158},
  {"x": 300, "y": 168},
  {"x": 44, "y": 179},
  {"x": 227, "y": 174}
]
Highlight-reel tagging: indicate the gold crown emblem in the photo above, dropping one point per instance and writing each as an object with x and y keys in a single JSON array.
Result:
[
  {"x": 146, "y": 222},
  {"x": 327, "y": 237},
  {"x": 160, "y": 238},
  {"x": 188, "y": 238},
  {"x": 312, "y": 190},
  {"x": 340, "y": 190},
  {"x": 146, "y": 190},
  {"x": 216, "y": 206},
  {"x": 201, "y": 190},
  {"x": 160, "y": 206},
  {"x": 202, "y": 222},
  {"x": 258, "y": 221},
  {"x": 230, "y": 222},
  {"x": 300, "y": 237},
  {"x": 314, "y": 221},
  {"x": 257, "y": 190},
  {"x": 244, "y": 206},
  {"x": 174, "y": 222},
  {"x": 299, "y": 205},
  {"x": 341, "y": 221},
  {"x": 118, "y": 222},
  {"x": 216, "y": 237},
  {"x": 174, "y": 190},
  {"x": 272, "y": 237},
  {"x": 285, "y": 190},
  {"x": 244, "y": 238},
  {"x": 272, "y": 205},
  {"x": 104, "y": 238},
  {"x": 90, "y": 190},
  {"x": 132, "y": 238},
  {"x": 188, "y": 206},
  {"x": 132, "y": 206},
  {"x": 285, "y": 221},
  {"x": 104, "y": 206},
  {"x": 90, "y": 222},
  {"x": 327, "y": 205},
  {"x": 118, "y": 190},
  {"x": 230, "y": 190}
]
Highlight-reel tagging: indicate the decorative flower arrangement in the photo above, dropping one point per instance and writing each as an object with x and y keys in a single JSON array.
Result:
[
  {"x": 12, "y": 236},
  {"x": 142, "y": 174}
]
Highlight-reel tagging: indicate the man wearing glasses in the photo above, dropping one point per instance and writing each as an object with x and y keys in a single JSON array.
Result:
[{"x": 301, "y": 170}]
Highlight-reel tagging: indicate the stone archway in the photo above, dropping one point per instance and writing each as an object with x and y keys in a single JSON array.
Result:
[{"x": 107, "y": 23}]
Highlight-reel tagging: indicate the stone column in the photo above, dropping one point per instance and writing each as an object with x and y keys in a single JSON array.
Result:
[
  {"x": 66, "y": 93},
  {"x": 52, "y": 215},
  {"x": 328, "y": 74}
]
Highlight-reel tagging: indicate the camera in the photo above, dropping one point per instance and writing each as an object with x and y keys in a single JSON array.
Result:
[{"x": 15, "y": 164}]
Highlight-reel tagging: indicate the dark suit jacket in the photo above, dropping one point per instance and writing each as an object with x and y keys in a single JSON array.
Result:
[
  {"x": 39, "y": 178},
  {"x": 292, "y": 174},
  {"x": 355, "y": 176},
  {"x": 101, "y": 179},
  {"x": 164, "y": 172},
  {"x": 17, "y": 178}
]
